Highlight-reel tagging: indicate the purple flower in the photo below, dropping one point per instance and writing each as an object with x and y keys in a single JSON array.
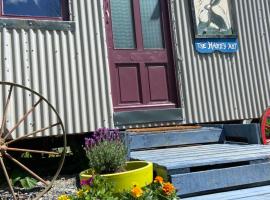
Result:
[
  {"x": 89, "y": 142},
  {"x": 87, "y": 182},
  {"x": 102, "y": 134}
]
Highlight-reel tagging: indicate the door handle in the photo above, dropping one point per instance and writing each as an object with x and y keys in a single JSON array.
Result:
[
  {"x": 107, "y": 11},
  {"x": 107, "y": 14}
]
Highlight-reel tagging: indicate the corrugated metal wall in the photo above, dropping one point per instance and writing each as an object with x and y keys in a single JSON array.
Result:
[
  {"x": 220, "y": 87},
  {"x": 68, "y": 68},
  {"x": 71, "y": 68}
]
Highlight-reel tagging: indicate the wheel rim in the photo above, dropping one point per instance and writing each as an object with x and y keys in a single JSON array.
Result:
[
  {"x": 12, "y": 134},
  {"x": 265, "y": 126}
]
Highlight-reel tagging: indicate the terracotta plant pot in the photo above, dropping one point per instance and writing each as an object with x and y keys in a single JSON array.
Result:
[{"x": 139, "y": 173}]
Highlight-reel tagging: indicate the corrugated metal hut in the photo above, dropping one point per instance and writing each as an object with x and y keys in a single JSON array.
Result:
[{"x": 106, "y": 63}]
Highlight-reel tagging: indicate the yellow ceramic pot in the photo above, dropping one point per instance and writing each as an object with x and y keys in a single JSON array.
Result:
[{"x": 139, "y": 173}]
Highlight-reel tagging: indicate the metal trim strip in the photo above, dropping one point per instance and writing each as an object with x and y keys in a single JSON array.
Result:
[
  {"x": 148, "y": 116},
  {"x": 37, "y": 24}
]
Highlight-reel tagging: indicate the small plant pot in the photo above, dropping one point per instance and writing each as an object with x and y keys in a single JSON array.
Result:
[{"x": 139, "y": 173}]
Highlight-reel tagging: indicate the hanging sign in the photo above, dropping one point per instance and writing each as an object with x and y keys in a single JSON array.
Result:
[
  {"x": 210, "y": 45},
  {"x": 214, "y": 26}
]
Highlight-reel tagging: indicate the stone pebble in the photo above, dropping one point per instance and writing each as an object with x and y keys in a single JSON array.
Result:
[{"x": 63, "y": 185}]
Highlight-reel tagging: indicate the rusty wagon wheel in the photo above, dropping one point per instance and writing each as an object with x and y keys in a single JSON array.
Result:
[{"x": 26, "y": 115}]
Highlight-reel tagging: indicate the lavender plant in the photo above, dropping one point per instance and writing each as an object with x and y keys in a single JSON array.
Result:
[{"x": 106, "y": 151}]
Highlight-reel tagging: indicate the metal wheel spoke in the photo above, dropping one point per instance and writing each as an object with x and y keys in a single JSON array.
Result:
[
  {"x": 5, "y": 111},
  {"x": 27, "y": 169},
  {"x": 7, "y": 178},
  {"x": 32, "y": 133},
  {"x": 32, "y": 151},
  {"x": 23, "y": 118}
]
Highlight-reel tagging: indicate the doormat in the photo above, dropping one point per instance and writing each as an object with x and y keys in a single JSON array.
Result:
[{"x": 164, "y": 128}]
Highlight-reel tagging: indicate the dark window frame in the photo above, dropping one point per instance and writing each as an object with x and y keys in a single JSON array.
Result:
[{"x": 64, "y": 13}]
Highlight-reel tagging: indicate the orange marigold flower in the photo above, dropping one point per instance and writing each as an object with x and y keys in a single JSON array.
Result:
[
  {"x": 168, "y": 188},
  {"x": 136, "y": 191},
  {"x": 158, "y": 179}
]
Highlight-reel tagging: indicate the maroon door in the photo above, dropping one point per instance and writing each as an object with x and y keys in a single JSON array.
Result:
[{"x": 140, "y": 54}]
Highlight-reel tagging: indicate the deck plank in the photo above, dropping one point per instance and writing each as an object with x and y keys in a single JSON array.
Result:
[
  {"x": 183, "y": 157},
  {"x": 193, "y": 150},
  {"x": 256, "y": 193},
  {"x": 192, "y": 155},
  {"x": 196, "y": 182}
]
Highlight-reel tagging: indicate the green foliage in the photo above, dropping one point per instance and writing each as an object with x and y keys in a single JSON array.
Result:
[
  {"x": 267, "y": 132},
  {"x": 107, "y": 157},
  {"x": 26, "y": 155},
  {"x": 28, "y": 182},
  {"x": 23, "y": 180},
  {"x": 99, "y": 189}
]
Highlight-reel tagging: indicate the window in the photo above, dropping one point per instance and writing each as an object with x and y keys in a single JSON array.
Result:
[
  {"x": 123, "y": 28},
  {"x": 149, "y": 18},
  {"x": 151, "y": 24},
  {"x": 41, "y": 9}
]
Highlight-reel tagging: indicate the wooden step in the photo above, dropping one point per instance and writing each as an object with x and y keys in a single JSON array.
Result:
[
  {"x": 141, "y": 140},
  {"x": 210, "y": 180},
  {"x": 256, "y": 193}
]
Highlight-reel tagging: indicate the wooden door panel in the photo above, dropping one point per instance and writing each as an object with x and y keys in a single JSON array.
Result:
[
  {"x": 158, "y": 89},
  {"x": 129, "y": 83}
]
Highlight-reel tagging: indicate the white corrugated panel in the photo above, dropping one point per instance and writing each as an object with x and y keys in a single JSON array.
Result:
[
  {"x": 70, "y": 69},
  {"x": 221, "y": 87}
]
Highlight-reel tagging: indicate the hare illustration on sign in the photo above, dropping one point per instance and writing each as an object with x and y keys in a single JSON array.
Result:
[{"x": 213, "y": 17}]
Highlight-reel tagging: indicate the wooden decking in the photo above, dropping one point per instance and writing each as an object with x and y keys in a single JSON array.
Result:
[
  {"x": 204, "y": 160},
  {"x": 203, "y": 168},
  {"x": 257, "y": 193}
]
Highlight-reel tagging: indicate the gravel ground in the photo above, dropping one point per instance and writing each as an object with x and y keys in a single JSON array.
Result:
[{"x": 63, "y": 185}]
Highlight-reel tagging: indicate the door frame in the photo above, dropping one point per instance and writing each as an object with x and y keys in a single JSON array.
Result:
[{"x": 155, "y": 116}]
